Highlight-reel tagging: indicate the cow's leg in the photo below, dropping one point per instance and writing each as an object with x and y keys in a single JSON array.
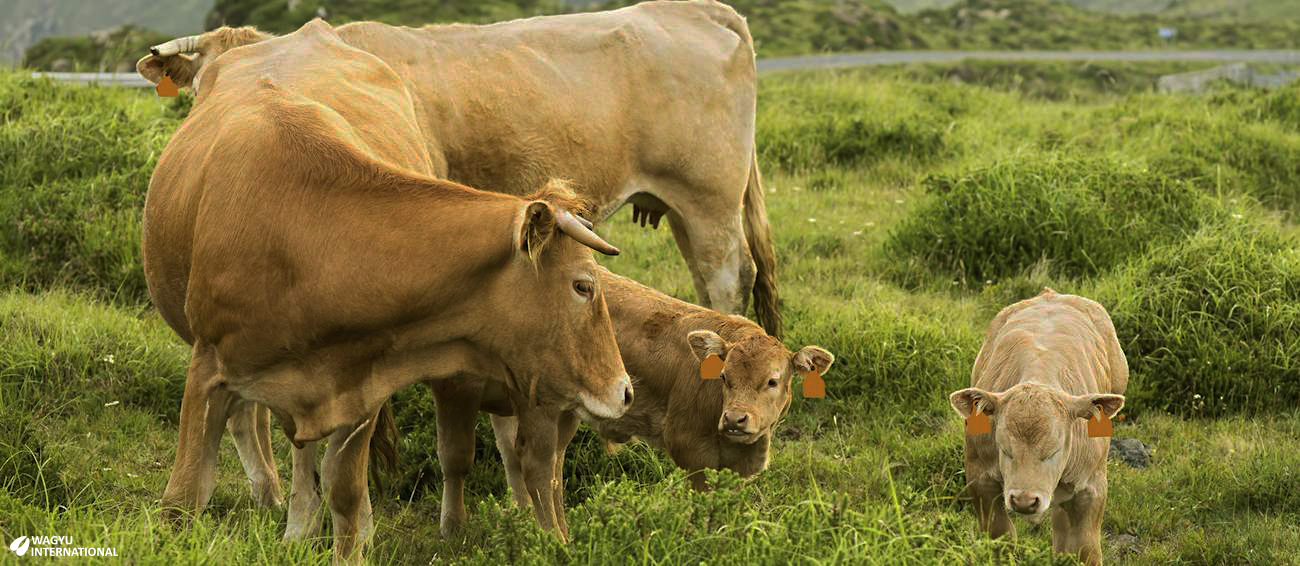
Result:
[
  {"x": 204, "y": 409},
  {"x": 1083, "y": 536},
  {"x": 506, "y": 430},
  {"x": 535, "y": 443},
  {"x": 693, "y": 455},
  {"x": 565, "y": 430},
  {"x": 245, "y": 424},
  {"x": 305, "y": 512},
  {"x": 457, "y": 407},
  {"x": 347, "y": 489},
  {"x": 718, "y": 256},
  {"x": 991, "y": 511}
]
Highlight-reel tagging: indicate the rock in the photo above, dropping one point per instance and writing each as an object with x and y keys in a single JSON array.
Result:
[
  {"x": 1131, "y": 451},
  {"x": 1121, "y": 545}
]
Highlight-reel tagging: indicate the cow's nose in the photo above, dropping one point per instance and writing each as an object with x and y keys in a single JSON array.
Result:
[
  {"x": 1025, "y": 502},
  {"x": 735, "y": 419},
  {"x": 627, "y": 394}
]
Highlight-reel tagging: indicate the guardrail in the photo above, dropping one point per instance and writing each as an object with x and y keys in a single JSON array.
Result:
[{"x": 879, "y": 58}]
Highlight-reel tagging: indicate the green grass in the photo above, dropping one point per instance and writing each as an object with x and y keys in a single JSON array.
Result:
[{"x": 907, "y": 211}]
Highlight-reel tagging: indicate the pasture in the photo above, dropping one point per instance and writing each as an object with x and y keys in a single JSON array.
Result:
[{"x": 907, "y": 211}]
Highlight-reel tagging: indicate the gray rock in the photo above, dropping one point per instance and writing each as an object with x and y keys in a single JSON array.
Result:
[{"x": 1131, "y": 451}]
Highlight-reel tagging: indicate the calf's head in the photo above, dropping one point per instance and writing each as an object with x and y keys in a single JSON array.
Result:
[
  {"x": 546, "y": 314},
  {"x": 1035, "y": 430},
  {"x": 756, "y": 376}
]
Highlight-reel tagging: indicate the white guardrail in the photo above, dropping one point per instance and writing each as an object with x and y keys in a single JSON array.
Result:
[{"x": 880, "y": 58}]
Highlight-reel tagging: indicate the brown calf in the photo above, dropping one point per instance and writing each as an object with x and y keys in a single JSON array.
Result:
[{"x": 1048, "y": 364}]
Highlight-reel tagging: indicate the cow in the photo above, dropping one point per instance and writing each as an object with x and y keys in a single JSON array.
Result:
[
  {"x": 1047, "y": 365},
  {"x": 295, "y": 234},
  {"x": 724, "y": 423},
  {"x": 651, "y": 105}
]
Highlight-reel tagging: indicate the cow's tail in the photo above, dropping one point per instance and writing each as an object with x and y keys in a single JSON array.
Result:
[
  {"x": 383, "y": 445},
  {"x": 759, "y": 236}
]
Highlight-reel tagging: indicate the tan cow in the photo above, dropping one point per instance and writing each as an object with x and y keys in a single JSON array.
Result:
[
  {"x": 292, "y": 234},
  {"x": 1048, "y": 364},
  {"x": 652, "y": 105},
  {"x": 719, "y": 424}
]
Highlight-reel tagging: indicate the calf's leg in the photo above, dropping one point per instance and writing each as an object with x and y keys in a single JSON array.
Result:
[
  {"x": 348, "y": 491},
  {"x": 990, "y": 510},
  {"x": 536, "y": 445},
  {"x": 246, "y": 424},
  {"x": 457, "y": 406},
  {"x": 305, "y": 511},
  {"x": 566, "y": 428},
  {"x": 1081, "y": 533},
  {"x": 204, "y": 409},
  {"x": 506, "y": 431}
]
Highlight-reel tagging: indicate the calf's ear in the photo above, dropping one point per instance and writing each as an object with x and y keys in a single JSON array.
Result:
[
  {"x": 704, "y": 342},
  {"x": 813, "y": 358},
  {"x": 1086, "y": 406},
  {"x": 966, "y": 400}
]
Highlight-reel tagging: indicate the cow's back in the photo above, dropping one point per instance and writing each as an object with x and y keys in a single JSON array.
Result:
[
  {"x": 1064, "y": 340},
  {"x": 598, "y": 98},
  {"x": 226, "y": 154}
]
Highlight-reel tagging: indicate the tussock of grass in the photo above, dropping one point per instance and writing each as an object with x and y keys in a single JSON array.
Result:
[
  {"x": 1083, "y": 215},
  {"x": 806, "y": 124},
  {"x": 1209, "y": 324}
]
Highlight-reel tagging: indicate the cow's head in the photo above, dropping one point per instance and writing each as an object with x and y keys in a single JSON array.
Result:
[
  {"x": 548, "y": 316},
  {"x": 182, "y": 59},
  {"x": 756, "y": 377},
  {"x": 1036, "y": 429}
]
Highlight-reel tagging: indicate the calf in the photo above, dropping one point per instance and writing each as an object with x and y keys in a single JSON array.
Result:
[
  {"x": 719, "y": 423},
  {"x": 1047, "y": 366}
]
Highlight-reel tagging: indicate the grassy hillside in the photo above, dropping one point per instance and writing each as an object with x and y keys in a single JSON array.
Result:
[{"x": 907, "y": 210}]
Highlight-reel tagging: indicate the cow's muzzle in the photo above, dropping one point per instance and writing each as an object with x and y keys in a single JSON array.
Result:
[
  {"x": 738, "y": 426},
  {"x": 614, "y": 404},
  {"x": 1026, "y": 502}
]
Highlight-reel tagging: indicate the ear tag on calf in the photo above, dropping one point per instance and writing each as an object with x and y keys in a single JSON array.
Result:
[
  {"x": 166, "y": 87},
  {"x": 1099, "y": 425},
  {"x": 978, "y": 423},
  {"x": 813, "y": 385},
  {"x": 711, "y": 367}
]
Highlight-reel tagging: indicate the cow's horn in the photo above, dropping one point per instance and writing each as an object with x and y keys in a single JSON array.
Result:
[
  {"x": 187, "y": 44},
  {"x": 578, "y": 230}
]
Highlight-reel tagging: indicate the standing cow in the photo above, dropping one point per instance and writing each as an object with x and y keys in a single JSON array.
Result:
[
  {"x": 651, "y": 105},
  {"x": 292, "y": 234},
  {"x": 1047, "y": 366}
]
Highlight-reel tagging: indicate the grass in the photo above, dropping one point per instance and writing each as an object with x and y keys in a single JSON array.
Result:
[{"x": 907, "y": 210}]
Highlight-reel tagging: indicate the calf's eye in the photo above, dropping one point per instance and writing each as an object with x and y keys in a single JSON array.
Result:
[{"x": 772, "y": 382}]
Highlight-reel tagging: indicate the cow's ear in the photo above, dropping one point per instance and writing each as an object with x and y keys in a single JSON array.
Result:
[
  {"x": 704, "y": 342},
  {"x": 813, "y": 358},
  {"x": 181, "y": 68},
  {"x": 966, "y": 400},
  {"x": 537, "y": 229},
  {"x": 1086, "y": 406}
]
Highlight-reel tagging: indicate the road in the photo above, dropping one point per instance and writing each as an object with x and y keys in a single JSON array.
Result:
[{"x": 888, "y": 58}]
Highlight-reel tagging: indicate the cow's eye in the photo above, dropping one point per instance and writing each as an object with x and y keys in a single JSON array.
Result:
[
  {"x": 723, "y": 377},
  {"x": 773, "y": 382},
  {"x": 584, "y": 289}
]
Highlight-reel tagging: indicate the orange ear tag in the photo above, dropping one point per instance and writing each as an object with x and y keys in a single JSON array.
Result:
[
  {"x": 711, "y": 367},
  {"x": 813, "y": 386},
  {"x": 1099, "y": 425},
  {"x": 978, "y": 423},
  {"x": 166, "y": 87}
]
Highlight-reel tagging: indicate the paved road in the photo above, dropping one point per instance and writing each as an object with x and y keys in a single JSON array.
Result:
[{"x": 885, "y": 58}]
